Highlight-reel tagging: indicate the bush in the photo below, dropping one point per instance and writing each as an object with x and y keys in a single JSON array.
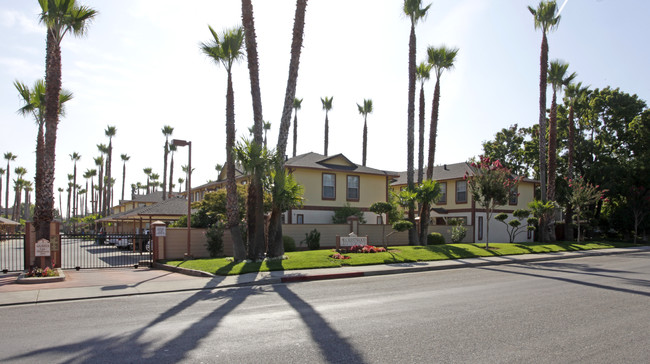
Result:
[
  {"x": 215, "y": 240},
  {"x": 312, "y": 239},
  {"x": 342, "y": 213},
  {"x": 289, "y": 243},
  {"x": 402, "y": 225},
  {"x": 435, "y": 239},
  {"x": 458, "y": 233}
]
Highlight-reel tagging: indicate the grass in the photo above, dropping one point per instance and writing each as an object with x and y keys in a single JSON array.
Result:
[{"x": 400, "y": 254}]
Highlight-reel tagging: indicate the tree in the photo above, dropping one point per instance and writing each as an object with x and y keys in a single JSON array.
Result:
[
  {"x": 440, "y": 59},
  {"x": 342, "y": 213},
  {"x": 99, "y": 162},
  {"x": 167, "y": 132},
  {"x": 297, "y": 103},
  {"x": 87, "y": 176},
  {"x": 70, "y": 189},
  {"x": 172, "y": 150},
  {"x": 426, "y": 193},
  {"x": 380, "y": 208},
  {"x": 365, "y": 110},
  {"x": 60, "y": 17},
  {"x": 514, "y": 226},
  {"x": 267, "y": 127},
  {"x": 148, "y": 172},
  {"x": 423, "y": 73},
  {"x": 74, "y": 157},
  {"x": 60, "y": 208},
  {"x": 582, "y": 195},
  {"x": 276, "y": 247},
  {"x": 9, "y": 157},
  {"x": 110, "y": 133},
  {"x": 639, "y": 203},
  {"x": 545, "y": 18},
  {"x": 508, "y": 147},
  {"x": 415, "y": 12},
  {"x": 2, "y": 172},
  {"x": 226, "y": 50},
  {"x": 125, "y": 158},
  {"x": 327, "y": 106},
  {"x": 180, "y": 183},
  {"x": 19, "y": 184},
  {"x": 490, "y": 186}
]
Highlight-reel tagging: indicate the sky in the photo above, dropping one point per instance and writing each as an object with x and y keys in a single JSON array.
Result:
[{"x": 140, "y": 67}]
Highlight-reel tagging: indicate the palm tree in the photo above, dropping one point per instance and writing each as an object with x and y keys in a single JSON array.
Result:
[
  {"x": 414, "y": 10},
  {"x": 125, "y": 158},
  {"x": 2, "y": 172},
  {"x": 88, "y": 175},
  {"x": 60, "y": 208},
  {"x": 99, "y": 162},
  {"x": 172, "y": 150},
  {"x": 74, "y": 157},
  {"x": 60, "y": 17},
  {"x": 546, "y": 19},
  {"x": 19, "y": 184},
  {"x": 297, "y": 104},
  {"x": 154, "y": 181},
  {"x": 440, "y": 59},
  {"x": 276, "y": 247},
  {"x": 148, "y": 172},
  {"x": 226, "y": 50},
  {"x": 327, "y": 106},
  {"x": 423, "y": 72},
  {"x": 180, "y": 183},
  {"x": 103, "y": 149},
  {"x": 9, "y": 157},
  {"x": 167, "y": 132},
  {"x": 365, "y": 110},
  {"x": 70, "y": 189},
  {"x": 557, "y": 79},
  {"x": 110, "y": 133},
  {"x": 574, "y": 92},
  {"x": 267, "y": 127}
]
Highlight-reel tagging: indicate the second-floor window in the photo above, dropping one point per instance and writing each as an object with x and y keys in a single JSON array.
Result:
[
  {"x": 329, "y": 186},
  {"x": 353, "y": 188},
  {"x": 514, "y": 195},
  {"x": 461, "y": 191},
  {"x": 443, "y": 193}
]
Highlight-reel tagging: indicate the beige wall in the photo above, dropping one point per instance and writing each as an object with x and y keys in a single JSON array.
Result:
[{"x": 372, "y": 188}]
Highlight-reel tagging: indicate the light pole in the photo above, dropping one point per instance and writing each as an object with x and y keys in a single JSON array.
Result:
[{"x": 182, "y": 143}]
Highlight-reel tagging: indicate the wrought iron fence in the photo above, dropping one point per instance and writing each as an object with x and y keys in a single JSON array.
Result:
[
  {"x": 12, "y": 252},
  {"x": 105, "y": 250}
]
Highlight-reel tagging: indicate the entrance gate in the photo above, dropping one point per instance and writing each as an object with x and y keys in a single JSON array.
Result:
[
  {"x": 92, "y": 251},
  {"x": 12, "y": 252}
]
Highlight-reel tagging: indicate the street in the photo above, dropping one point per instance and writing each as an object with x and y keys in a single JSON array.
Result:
[{"x": 586, "y": 310}]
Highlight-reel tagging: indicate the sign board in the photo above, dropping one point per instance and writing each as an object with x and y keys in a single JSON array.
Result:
[
  {"x": 43, "y": 248},
  {"x": 54, "y": 243},
  {"x": 161, "y": 230},
  {"x": 352, "y": 239}
]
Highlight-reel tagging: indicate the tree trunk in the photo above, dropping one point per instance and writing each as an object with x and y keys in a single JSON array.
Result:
[
  {"x": 365, "y": 142},
  {"x": 327, "y": 134},
  {"x": 433, "y": 129},
  {"x": 7, "y": 192},
  {"x": 424, "y": 223},
  {"x": 543, "y": 67},
  {"x": 421, "y": 137},
  {"x": 568, "y": 230},
  {"x": 410, "y": 132},
  {"x": 295, "y": 132},
  {"x": 552, "y": 162},
  {"x": 171, "y": 175},
  {"x": 164, "y": 186},
  {"x": 123, "y": 179}
]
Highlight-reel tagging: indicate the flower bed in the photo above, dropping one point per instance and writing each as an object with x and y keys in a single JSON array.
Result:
[
  {"x": 45, "y": 275},
  {"x": 366, "y": 249}
]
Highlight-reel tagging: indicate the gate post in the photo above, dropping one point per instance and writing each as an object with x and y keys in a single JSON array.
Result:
[
  {"x": 158, "y": 235},
  {"x": 29, "y": 241}
]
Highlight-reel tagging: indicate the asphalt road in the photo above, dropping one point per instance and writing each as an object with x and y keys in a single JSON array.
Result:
[{"x": 585, "y": 310}]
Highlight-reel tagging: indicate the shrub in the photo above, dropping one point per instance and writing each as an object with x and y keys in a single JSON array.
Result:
[
  {"x": 435, "y": 239},
  {"x": 289, "y": 243},
  {"x": 342, "y": 213},
  {"x": 402, "y": 225},
  {"x": 214, "y": 236},
  {"x": 458, "y": 233},
  {"x": 312, "y": 239}
]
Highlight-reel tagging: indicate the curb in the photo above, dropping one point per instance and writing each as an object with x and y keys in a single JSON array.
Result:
[{"x": 186, "y": 271}]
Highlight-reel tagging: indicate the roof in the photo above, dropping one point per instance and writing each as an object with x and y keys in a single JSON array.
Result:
[
  {"x": 440, "y": 173},
  {"x": 4, "y": 221},
  {"x": 336, "y": 162},
  {"x": 156, "y": 196},
  {"x": 170, "y": 208}
]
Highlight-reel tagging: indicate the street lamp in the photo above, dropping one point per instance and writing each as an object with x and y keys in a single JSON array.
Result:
[{"x": 182, "y": 143}]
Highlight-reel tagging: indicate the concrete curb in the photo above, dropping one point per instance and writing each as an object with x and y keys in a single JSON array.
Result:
[{"x": 186, "y": 271}]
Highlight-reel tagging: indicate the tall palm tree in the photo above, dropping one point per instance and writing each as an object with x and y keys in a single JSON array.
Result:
[
  {"x": 267, "y": 127},
  {"x": 28, "y": 187},
  {"x": 180, "y": 183},
  {"x": 154, "y": 181},
  {"x": 365, "y": 110},
  {"x": 148, "y": 172},
  {"x": 60, "y": 207},
  {"x": 440, "y": 59},
  {"x": 226, "y": 49},
  {"x": 70, "y": 189},
  {"x": 557, "y": 78},
  {"x": 327, "y": 106},
  {"x": 167, "y": 132},
  {"x": 99, "y": 162},
  {"x": 60, "y": 17},
  {"x": 297, "y": 104},
  {"x": 19, "y": 184},
  {"x": 9, "y": 157},
  {"x": 415, "y": 12},
  {"x": 87, "y": 176},
  {"x": 103, "y": 150},
  {"x": 74, "y": 157},
  {"x": 2, "y": 172},
  {"x": 172, "y": 150},
  {"x": 110, "y": 133},
  {"x": 125, "y": 158},
  {"x": 423, "y": 72},
  {"x": 545, "y": 18}
]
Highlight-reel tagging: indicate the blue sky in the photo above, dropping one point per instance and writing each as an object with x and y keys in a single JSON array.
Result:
[{"x": 140, "y": 68}]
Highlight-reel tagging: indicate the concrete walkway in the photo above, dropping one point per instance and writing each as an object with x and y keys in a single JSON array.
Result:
[{"x": 89, "y": 284}]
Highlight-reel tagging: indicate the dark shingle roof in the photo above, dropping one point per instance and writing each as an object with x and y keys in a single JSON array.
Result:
[
  {"x": 319, "y": 161},
  {"x": 440, "y": 173}
]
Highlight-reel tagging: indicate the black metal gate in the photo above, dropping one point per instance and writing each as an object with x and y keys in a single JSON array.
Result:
[
  {"x": 105, "y": 250},
  {"x": 12, "y": 252}
]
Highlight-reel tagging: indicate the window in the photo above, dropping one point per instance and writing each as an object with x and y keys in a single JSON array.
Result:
[
  {"x": 300, "y": 219},
  {"x": 329, "y": 186},
  {"x": 480, "y": 228},
  {"x": 514, "y": 195},
  {"x": 443, "y": 193},
  {"x": 353, "y": 188},
  {"x": 461, "y": 191}
]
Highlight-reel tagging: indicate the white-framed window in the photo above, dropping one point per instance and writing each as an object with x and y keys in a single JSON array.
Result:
[
  {"x": 329, "y": 186},
  {"x": 353, "y": 190},
  {"x": 461, "y": 191},
  {"x": 443, "y": 193}
]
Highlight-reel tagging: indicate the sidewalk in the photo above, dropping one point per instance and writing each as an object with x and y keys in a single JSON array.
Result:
[{"x": 89, "y": 284}]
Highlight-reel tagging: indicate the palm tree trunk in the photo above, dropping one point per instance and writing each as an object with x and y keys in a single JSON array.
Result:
[
  {"x": 410, "y": 133},
  {"x": 365, "y": 141},
  {"x": 74, "y": 190},
  {"x": 543, "y": 67},
  {"x": 7, "y": 192},
  {"x": 568, "y": 219},
  {"x": 276, "y": 247},
  {"x": 295, "y": 132},
  {"x": 433, "y": 129},
  {"x": 171, "y": 174},
  {"x": 164, "y": 183},
  {"x": 123, "y": 179},
  {"x": 327, "y": 134},
  {"x": 421, "y": 137},
  {"x": 552, "y": 160}
]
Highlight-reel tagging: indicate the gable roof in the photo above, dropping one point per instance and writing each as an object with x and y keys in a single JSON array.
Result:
[
  {"x": 440, "y": 173},
  {"x": 337, "y": 162}
]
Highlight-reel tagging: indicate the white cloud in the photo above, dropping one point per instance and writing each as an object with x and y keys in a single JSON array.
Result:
[{"x": 15, "y": 19}]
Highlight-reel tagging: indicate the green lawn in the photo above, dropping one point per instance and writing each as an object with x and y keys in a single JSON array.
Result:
[{"x": 398, "y": 254}]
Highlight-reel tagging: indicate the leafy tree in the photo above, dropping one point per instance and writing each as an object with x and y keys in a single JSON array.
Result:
[
  {"x": 167, "y": 132},
  {"x": 541, "y": 210},
  {"x": 327, "y": 106},
  {"x": 342, "y": 213},
  {"x": 365, "y": 110},
  {"x": 508, "y": 147},
  {"x": 639, "y": 203},
  {"x": 287, "y": 194},
  {"x": 381, "y": 208},
  {"x": 296, "y": 106},
  {"x": 514, "y": 226},
  {"x": 427, "y": 193},
  {"x": 226, "y": 50},
  {"x": 490, "y": 186},
  {"x": 583, "y": 194}
]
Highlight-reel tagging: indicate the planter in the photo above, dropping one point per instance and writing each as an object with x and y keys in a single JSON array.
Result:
[{"x": 22, "y": 279}]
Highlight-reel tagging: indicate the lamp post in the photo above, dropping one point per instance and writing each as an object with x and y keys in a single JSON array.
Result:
[{"x": 182, "y": 143}]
